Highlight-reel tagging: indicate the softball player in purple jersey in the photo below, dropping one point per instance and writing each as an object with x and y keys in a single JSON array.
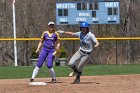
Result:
[
  {"x": 86, "y": 46},
  {"x": 49, "y": 44}
]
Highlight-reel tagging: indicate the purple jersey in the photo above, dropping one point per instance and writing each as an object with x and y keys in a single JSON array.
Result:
[
  {"x": 49, "y": 39},
  {"x": 48, "y": 48}
]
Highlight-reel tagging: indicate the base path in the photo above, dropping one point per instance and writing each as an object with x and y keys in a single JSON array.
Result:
[{"x": 89, "y": 84}]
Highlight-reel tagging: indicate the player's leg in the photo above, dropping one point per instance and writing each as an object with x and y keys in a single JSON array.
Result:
[
  {"x": 82, "y": 62},
  {"x": 49, "y": 63},
  {"x": 74, "y": 62},
  {"x": 81, "y": 65},
  {"x": 41, "y": 60},
  {"x": 71, "y": 74}
]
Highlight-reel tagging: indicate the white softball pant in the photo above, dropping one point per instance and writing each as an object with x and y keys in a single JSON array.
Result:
[{"x": 79, "y": 59}]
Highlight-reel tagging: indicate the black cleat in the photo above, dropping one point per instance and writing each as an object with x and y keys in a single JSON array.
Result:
[
  {"x": 31, "y": 80},
  {"x": 76, "y": 81},
  {"x": 53, "y": 81}
]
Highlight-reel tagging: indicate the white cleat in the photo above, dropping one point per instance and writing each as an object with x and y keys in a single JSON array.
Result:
[{"x": 71, "y": 74}]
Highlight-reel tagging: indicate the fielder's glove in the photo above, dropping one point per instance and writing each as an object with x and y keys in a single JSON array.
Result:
[{"x": 60, "y": 31}]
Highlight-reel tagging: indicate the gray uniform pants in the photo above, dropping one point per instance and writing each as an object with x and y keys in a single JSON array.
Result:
[{"x": 79, "y": 60}]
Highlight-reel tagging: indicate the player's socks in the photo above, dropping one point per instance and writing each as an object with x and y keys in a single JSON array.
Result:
[
  {"x": 52, "y": 72},
  {"x": 35, "y": 72},
  {"x": 74, "y": 69},
  {"x": 78, "y": 75}
]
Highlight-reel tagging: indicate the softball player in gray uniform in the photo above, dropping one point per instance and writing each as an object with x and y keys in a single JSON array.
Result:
[{"x": 87, "y": 41}]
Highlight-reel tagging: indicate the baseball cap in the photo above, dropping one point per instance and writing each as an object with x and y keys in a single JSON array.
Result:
[{"x": 51, "y": 23}]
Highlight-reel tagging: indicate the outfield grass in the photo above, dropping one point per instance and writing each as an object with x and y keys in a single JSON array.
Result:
[{"x": 62, "y": 71}]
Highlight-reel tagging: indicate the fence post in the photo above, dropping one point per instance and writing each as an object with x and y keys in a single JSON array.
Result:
[{"x": 116, "y": 52}]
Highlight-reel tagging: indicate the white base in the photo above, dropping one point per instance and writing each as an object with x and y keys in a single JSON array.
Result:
[{"x": 37, "y": 83}]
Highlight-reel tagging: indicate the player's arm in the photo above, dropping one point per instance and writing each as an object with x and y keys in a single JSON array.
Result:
[
  {"x": 57, "y": 45},
  {"x": 57, "y": 48},
  {"x": 40, "y": 43},
  {"x": 57, "y": 42},
  {"x": 67, "y": 33},
  {"x": 96, "y": 44},
  {"x": 94, "y": 40}
]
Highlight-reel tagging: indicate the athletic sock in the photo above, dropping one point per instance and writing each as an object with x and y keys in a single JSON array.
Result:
[
  {"x": 35, "y": 72},
  {"x": 74, "y": 69},
  {"x": 52, "y": 72},
  {"x": 78, "y": 75}
]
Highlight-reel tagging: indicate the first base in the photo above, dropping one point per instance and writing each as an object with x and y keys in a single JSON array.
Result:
[{"x": 37, "y": 83}]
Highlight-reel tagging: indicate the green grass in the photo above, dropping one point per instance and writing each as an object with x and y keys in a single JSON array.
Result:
[{"x": 12, "y": 72}]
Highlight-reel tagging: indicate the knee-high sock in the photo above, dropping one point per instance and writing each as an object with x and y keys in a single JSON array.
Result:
[
  {"x": 52, "y": 72},
  {"x": 35, "y": 72},
  {"x": 74, "y": 69},
  {"x": 78, "y": 75}
]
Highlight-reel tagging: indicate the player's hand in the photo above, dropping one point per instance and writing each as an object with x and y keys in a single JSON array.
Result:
[
  {"x": 37, "y": 51},
  {"x": 96, "y": 45},
  {"x": 60, "y": 31},
  {"x": 54, "y": 53},
  {"x": 57, "y": 48}
]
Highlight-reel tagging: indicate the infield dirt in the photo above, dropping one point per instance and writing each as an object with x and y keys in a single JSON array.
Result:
[{"x": 89, "y": 84}]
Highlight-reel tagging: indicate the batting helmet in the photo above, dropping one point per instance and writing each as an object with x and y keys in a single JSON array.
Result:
[{"x": 84, "y": 24}]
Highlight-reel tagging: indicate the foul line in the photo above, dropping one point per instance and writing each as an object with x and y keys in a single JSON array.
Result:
[{"x": 33, "y": 39}]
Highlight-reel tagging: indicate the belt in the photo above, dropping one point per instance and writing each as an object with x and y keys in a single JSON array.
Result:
[
  {"x": 84, "y": 52},
  {"x": 52, "y": 47}
]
